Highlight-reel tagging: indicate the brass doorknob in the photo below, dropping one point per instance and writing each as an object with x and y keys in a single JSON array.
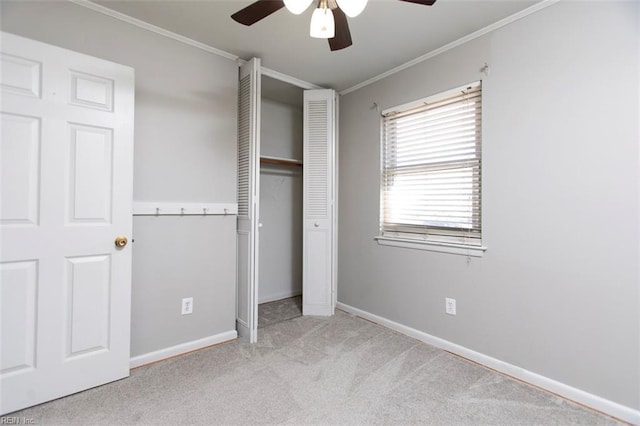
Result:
[{"x": 121, "y": 241}]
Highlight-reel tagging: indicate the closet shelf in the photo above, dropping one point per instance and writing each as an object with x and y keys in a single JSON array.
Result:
[{"x": 280, "y": 161}]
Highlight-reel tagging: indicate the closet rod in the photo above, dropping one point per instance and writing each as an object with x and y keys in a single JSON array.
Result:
[{"x": 280, "y": 161}]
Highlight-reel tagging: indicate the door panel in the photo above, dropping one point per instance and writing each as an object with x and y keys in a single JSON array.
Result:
[
  {"x": 90, "y": 174},
  {"x": 66, "y": 193},
  {"x": 91, "y": 91},
  {"x": 20, "y": 173},
  {"x": 243, "y": 278},
  {"x": 317, "y": 292},
  {"x": 87, "y": 294},
  {"x": 18, "y": 281},
  {"x": 248, "y": 199},
  {"x": 20, "y": 75},
  {"x": 319, "y": 215}
]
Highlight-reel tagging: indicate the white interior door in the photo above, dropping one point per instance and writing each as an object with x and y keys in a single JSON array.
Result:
[
  {"x": 248, "y": 199},
  {"x": 66, "y": 194},
  {"x": 318, "y": 264}
]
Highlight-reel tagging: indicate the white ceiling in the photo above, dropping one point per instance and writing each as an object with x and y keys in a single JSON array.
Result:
[{"x": 387, "y": 34}]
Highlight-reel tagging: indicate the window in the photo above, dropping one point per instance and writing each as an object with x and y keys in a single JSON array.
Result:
[{"x": 431, "y": 171}]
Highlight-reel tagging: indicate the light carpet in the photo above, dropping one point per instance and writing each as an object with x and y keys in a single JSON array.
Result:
[
  {"x": 280, "y": 310},
  {"x": 310, "y": 370}
]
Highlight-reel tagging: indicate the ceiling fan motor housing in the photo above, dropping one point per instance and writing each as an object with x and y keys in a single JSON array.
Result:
[{"x": 260, "y": 9}]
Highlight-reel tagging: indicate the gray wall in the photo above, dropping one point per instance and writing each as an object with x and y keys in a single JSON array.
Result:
[
  {"x": 557, "y": 290},
  {"x": 280, "y": 269},
  {"x": 185, "y": 150}
]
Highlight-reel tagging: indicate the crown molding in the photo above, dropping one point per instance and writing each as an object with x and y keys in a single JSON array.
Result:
[
  {"x": 188, "y": 41},
  {"x": 300, "y": 83},
  {"x": 154, "y": 29},
  {"x": 489, "y": 28}
]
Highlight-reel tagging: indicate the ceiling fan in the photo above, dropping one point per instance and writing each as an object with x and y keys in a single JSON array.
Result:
[{"x": 329, "y": 20}]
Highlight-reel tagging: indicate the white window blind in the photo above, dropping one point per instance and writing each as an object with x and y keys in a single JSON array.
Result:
[{"x": 431, "y": 168}]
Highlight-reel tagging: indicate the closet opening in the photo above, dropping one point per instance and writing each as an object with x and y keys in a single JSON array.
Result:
[{"x": 281, "y": 202}]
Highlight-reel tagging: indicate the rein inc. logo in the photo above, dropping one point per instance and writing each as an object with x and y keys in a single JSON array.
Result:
[{"x": 15, "y": 420}]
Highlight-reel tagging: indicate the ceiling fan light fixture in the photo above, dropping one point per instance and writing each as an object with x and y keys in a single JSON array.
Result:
[
  {"x": 352, "y": 8},
  {"x": 297, "y": 6},
  {"x": 322, "y": 23}
]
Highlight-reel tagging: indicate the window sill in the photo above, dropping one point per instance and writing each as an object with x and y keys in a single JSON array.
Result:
[{"x": 461, "y": 249}]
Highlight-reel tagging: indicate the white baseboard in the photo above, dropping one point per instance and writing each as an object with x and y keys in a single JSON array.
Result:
[
  {"x": 318, "y": 311},
  {"x": 182, "y": 348},
  {"x": 595, "y": 402},
  {"x": 279, "y": 296}
]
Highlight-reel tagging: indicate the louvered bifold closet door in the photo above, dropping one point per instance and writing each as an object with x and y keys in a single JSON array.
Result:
[
  {"x": 248, "y": 190},
  {"x": 318, "y": 183}
]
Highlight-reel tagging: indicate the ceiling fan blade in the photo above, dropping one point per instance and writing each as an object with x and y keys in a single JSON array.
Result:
[
  {"x": 342, "y": 36},
  {"x": 257, "y": 11},
  {"x": 422, "y": 2}
]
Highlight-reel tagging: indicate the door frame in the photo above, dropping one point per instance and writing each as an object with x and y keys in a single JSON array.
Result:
[{"x": 253, "y": 287}]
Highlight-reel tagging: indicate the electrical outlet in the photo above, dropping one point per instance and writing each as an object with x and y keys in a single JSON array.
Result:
[
  {"x": 187, "y": 305},
  {"x": 450, "y": 306}
]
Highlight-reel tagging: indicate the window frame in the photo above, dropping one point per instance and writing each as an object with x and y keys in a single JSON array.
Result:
[{"x": 455, "y": 241}]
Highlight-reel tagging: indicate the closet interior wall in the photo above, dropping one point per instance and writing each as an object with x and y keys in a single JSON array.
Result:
[{"x": 280, "y": 256}]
